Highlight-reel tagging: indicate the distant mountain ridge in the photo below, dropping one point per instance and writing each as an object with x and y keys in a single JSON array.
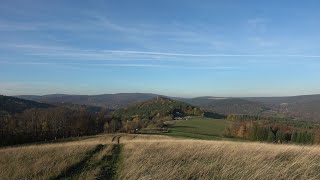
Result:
[
  {"x": 286, "y": 99},
  {"x": 228, "y": 105},
  {"x": 306, "y": 107},
  {"x": 111, "y": 101},
  {"x": 9, "y": 104}
]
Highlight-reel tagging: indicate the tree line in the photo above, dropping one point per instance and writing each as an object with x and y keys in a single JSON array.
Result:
[
  {"x": 39, "y": 124},
  {"x": 45, "y": 124},
  {"x": 272, "y": 130}
]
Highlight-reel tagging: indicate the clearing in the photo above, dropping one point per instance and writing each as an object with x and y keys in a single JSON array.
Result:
[{"x": 198, "y": 128}]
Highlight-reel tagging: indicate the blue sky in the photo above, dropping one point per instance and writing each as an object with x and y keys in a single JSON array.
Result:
[{"x": 177, "y": 48}]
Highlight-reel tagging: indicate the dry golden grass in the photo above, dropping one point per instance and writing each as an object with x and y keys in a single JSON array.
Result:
[
  {"x": 93, "y": 169},
  {"x": 49, "y": 160},
  {"x": 196, "y": 159},
  {"x": 162, "y": 157},
  {"x": 107, "y": 138},
  {"x": 40, "y": 161}
]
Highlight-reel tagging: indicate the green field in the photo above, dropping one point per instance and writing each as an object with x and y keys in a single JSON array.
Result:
[
  {"x": 198, "y": 128},
  {"x": 194, "y": 128}
]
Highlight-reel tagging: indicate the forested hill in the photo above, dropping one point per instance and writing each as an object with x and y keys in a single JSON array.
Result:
[
  {"x": 300, "y": 107},
  {"x": 228, "y": 105},
  {"x": 110, "y": 101},
  {"x": 16, "y": 105},
  {"x": 305, "y": 108},
  {"x": 158, "y": 108}
]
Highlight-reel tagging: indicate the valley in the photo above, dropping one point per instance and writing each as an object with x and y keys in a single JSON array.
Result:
[
  {"x": 159, "y": 138},
  {"x": 159, "y": 90},
  {"x": 305, "y": 107}
]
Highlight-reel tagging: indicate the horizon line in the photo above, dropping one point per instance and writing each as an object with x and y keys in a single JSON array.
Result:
[{"x": 69, "y": 94}]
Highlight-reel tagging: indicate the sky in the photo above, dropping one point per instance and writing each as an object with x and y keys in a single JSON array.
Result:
[{"x": 170, "y": 47}]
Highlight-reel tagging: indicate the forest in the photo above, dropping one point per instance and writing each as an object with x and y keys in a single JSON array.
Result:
[
  {"x": 23, "y": 121},
  {"x": 272, "y": 129},
  {"x": 47, "y": 123},
  {"x": 39, "y": 124}
]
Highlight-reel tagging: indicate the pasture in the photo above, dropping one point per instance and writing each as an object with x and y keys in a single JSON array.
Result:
[{"x": 198, "y": 128}]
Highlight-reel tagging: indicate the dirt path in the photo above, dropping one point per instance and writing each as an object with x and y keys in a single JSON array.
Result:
[
  {"x": 78, "y": 167},
  {"x": 100, "y": 163},
  {"x": 116, "y": 139},
  {"x": 109, "y": 166}
]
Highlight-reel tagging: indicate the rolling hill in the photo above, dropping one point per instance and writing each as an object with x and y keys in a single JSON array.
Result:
[
  {"x": 159, "y": 107},
  {"x": 228, "y": 105},
  {"x": 305, "y": 107},
  {"x": 110, "y": 101},
  {"x": 286, "y": 99},
  {"x": 11, "y": 105}
]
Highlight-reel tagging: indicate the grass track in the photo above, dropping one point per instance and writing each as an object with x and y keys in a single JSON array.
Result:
[
  {"x": 75, "y": 169},
  {"x": 99, "y": 163},
  {"x": 109, "y": 165}
]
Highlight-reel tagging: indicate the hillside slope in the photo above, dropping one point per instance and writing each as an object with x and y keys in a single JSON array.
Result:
[
  {"x": 15, "y": 105},
  {"x": 110, "y": 101},
  {"x": 305, "y": 107},
  {"x": 228, "y": 105},
  {"x": 301, "y": 107},
  {"x": 160, "y": 157},
  {"x": 159, "y": 107},
  {"x": 194, "y": 159}
]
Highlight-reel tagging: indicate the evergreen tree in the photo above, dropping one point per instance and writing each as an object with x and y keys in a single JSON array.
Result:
[
  {"x": 271, "y": 137},
  {"x": 280, "y": 136},
  {"x": 299, "y": 137},
  {"x": 294, "y": 137}
]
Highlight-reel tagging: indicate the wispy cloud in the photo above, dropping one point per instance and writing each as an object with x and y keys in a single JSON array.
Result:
[
  {"x": 104, "y": 22},
  {"x": 184, "y": 54},
  {"x": 133, "y": 65},
  {"x": 147, "y": 35},
  {"x": 66, "y": 54},
  {"x": 33, "y": 49}
]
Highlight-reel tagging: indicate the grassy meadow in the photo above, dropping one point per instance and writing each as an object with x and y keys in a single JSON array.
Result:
[
  {"x": 40, "y": 161},
  {"x": 200, "y": 159},
  {"x": 198, "y": 128},
  {"x": 159, "y": 157},
  {"x": 194, "y": 128}
]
